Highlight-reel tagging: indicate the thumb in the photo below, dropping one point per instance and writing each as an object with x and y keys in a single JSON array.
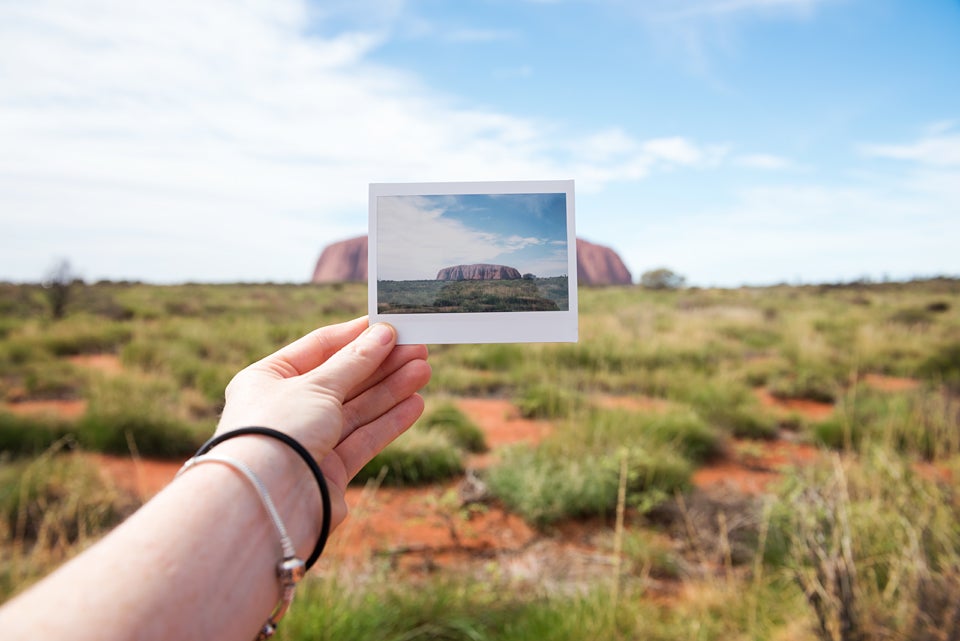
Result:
[{"x": 356, "y": 361}]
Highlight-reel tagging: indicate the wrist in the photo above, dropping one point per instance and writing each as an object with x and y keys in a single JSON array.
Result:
[{"x": 289, "y": 482}]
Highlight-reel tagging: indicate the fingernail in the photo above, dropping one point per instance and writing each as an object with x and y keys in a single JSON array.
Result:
[{"x": 381, "y": 332}]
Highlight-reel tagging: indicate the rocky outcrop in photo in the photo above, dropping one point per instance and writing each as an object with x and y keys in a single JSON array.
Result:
[
  {"x": 346, "y": 262},
  {"x": 480, "y": 271}
]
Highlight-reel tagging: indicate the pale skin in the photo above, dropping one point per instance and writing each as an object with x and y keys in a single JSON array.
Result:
[{"x": 198, "y": 560}]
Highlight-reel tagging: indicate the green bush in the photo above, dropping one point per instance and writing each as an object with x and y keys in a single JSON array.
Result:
[
  {"x": 57, "y": 500},
  {"x": 918, "y": 423},
  {"x": 874, "y": 546},
  {"x": 494, "y": 357},
  {"x": 943, "y": 366},
  {"x": 682, "y": 429},
  {"x": 462, "y": 432},
  {"x": 30, "y": 435},
  {"x": 728, "y": 405},
  {"x": 51, "y": 378},
  {"x": 146, "y": 412},
  {"x": 416, "y": 457},
  {"x": 548, "y": 401},
  {"x": 545, "y": 487},
  {"x": 811, "y": 383},
  {"x": 91, "y": 337}
]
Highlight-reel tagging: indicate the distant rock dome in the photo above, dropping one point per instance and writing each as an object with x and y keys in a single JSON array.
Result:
[
  {"x": 599, "y": 265},
  {"x": 342, "y": 262},
  {"x": 479, "y": 271}
]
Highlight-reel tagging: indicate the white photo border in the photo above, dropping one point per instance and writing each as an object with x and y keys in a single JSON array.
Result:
[{"x": 478, "y": 327}]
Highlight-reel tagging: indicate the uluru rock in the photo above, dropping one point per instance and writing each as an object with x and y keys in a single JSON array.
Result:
[
  {"x": 599, "y": 265},
  {"x": 342, "y": 262},
  {"x": 346, "y": 261},
  {"x": 480, "y": 271}
]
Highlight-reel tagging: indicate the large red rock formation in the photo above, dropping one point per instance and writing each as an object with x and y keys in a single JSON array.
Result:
[
  {"x": 598, "y": 265},
  {"x": 342, "y": 262},
  {"x": 346, "y": 261},
  {"x": 480, "y": 271}
]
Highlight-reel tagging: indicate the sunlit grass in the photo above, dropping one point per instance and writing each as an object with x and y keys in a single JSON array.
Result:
[{"x": 703, "y": 351}]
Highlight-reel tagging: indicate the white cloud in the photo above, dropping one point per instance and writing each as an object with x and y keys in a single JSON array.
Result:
[
  {"x": 682, "y": 151},
  {"x": 763, "y": 161},
  {"x": 941, "y": 149},
  {"x": 701, "y": 33},
  {"x": 469, "y": 36},
  {"x": 440, "y": 242},
  {"x": 222, "y": 141},
  {"x": 902, "y": 226},
  {"x": 691, "y": 9}
]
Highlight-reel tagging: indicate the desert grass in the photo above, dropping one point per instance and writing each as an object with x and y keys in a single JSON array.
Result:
[
  {"x": 51, "y": 507},
  {"x": 864, "y": 547}
]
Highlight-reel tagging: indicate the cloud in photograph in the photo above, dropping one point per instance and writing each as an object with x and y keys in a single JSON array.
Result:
[{"x": 417, "y": 236}]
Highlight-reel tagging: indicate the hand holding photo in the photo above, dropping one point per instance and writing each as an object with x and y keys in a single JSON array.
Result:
[{"x": 483, "y": 262}]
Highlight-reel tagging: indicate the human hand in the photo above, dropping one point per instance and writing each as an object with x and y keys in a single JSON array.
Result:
[{"x": 343, "y": 391}]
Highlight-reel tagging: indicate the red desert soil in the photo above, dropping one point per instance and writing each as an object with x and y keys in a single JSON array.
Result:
[
  {"x": 891, "y": 383},
  {"x": 420, "y": 529},
  {"x": 69, "y": 409},
  {"x": 785, "y": 406},
  {"x": 107, "y": 363}
]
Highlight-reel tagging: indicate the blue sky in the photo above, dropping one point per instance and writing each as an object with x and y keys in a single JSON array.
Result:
[
  {"x": 420, "y": 235},
  {"x": 734, "y": 141}
]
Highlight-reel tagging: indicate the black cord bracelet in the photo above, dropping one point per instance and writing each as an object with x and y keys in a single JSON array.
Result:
[{"x": 307, "y": 458}]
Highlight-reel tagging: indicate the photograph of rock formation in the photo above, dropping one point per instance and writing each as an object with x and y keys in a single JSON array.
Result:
[{"x": 462, "y": 253}]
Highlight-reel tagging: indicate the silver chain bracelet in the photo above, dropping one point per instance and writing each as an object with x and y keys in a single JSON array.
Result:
[{"x": 290, "y": 569}]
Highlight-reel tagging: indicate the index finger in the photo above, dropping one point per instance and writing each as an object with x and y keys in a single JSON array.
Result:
[{"x": 310, "y": 351}]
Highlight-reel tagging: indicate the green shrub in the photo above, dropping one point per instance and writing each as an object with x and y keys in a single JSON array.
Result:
[
  {"x": 416, "y": 457},
  {"x": 548, "y": 401},
  {"x": 921, "y": 423},
  {"x": 648, "y": 555},
  {"x": 682, "y": 429},
  {"x": 728, "y": 405},
  {"x": 943, "y": 366},
  {"x": 51, "y": 378},
  {"x": 752, "y": 336},
  {"x": 874, "y": 547},
  {"x": 91, "y": 337},
  {"x": 144, "y": 411},
  {"x": 30, "y": 435},
  {"x": 911, "y": 316},
  {"x": 462, "y": 432},
  {"x": 494, "y": 357},
  {"x": 57, "y": 500},
  {"x": 545, "y": 487},
  {"x": 811, "y": 383}
]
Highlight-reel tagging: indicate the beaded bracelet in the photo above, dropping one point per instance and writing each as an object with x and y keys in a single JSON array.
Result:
[{"x": 290, "y": 569}]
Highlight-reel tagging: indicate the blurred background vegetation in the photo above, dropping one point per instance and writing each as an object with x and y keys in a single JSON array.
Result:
[{"x": 864, "y": 543}]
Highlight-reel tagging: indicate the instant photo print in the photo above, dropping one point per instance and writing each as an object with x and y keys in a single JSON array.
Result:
[{"x": 474, "y": 262}]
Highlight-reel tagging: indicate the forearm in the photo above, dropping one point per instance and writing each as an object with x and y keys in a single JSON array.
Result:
[{"x": 197, "y": 562}]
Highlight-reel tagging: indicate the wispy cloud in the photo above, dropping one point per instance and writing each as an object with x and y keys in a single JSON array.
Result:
[
  {"x": 942, "y": 149},
  {"x": 763, "y": 161},
  {"x": 696, "y": 9},
  {"x": 699, "y": 33},
  {"x": 470, "y": 36},
  {"x": 903, "y": 224},
  {"x": 418, "y": 241},
  {"x": 229, "y": 130}
]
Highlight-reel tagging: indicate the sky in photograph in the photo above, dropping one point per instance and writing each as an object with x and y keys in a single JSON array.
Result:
[
  {"x": 420, "y": 235},
  {"x": 733, "y": 141}
]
